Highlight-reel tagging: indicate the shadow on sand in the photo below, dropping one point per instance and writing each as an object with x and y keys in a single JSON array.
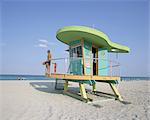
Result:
[{"x": 49, "y": 87}]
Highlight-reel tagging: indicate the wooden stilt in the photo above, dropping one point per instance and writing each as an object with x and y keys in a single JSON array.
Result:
[
  {"x": 116, "y": 92},
  {"x": 65, "y": 85},
  {"x": 83, "y": 96},
  {"x": 94, "y": 87},
  {"x": 82, "y": 91}
]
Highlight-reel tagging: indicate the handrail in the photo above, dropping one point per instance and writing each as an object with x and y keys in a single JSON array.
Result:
[
  {"x": 64, "y": 64},
  {"x": 84, "y": 58}
]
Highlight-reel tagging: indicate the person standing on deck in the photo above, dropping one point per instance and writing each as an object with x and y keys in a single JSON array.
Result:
[{"x": 48, "y": 62}]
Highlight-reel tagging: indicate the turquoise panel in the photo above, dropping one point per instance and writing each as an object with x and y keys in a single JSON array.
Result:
[
  {"x": 87, "y": 57},
  {"x": 76, "y": 66},
  {"x": 102, "y": 62}
]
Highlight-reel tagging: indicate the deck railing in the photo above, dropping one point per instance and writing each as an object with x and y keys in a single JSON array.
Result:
[{"x": 65, "y": 66}]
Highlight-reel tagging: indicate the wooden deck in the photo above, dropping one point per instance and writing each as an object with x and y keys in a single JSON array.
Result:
[{"x": 82, "y": 77}]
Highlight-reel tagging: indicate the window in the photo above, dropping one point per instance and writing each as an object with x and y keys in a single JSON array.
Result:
[{"x": 76, "y": 51}]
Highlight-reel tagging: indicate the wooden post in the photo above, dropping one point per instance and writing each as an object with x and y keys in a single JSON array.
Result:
[
  {"x": 94, "y": 87},
  {"x": 82, "y": 91},
  {"x": 65, "y": 85},
  {"x": 116, "y": 92},
  {"x": 82, "y": 44}
]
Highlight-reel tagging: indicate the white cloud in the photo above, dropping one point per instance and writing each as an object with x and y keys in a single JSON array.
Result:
[
  {"x": 43, "y": 41},
  {"x": 42, "y": 45}
]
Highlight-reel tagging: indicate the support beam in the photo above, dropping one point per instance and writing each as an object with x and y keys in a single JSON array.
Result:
[
  {"x": 116, "y": 92},
  {"x": 83, "y": 77},
  {"x": 82, "y": 91},
  {"x": 84, "y": 96},
  {"x": 65, "y": 85},
  {"x": 94, "y": 87}
]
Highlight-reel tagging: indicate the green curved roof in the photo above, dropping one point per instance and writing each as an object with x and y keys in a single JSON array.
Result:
[{"x": 96, "y": 37}]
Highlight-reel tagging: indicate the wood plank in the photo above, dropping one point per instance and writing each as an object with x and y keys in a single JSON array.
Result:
[
  {"x": 82, "y": 77},
  {"x": 78, "y": 77},
  {"x": 105, "y": 78}
]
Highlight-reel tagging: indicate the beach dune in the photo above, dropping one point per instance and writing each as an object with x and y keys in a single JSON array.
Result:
[{"x": 38, "y": 100}]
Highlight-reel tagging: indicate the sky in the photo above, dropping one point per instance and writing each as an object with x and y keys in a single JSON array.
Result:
[{"x": 28, "y": 29}]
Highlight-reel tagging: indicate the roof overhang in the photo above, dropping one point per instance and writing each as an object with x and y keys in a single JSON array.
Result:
[{"x": 96, "y": 37}]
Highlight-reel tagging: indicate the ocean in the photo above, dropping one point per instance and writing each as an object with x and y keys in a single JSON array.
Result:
[
  {"x": 42, "y": 77},
  {"x": 24, "y": 77}
]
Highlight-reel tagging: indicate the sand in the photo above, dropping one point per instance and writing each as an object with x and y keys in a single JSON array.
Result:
[{"x": 38, "y": 100}]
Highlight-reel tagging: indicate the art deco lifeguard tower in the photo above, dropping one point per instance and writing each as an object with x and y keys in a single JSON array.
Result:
[{"x": 88, "y": 62}]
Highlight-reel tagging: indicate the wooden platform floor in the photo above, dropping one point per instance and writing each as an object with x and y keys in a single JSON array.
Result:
[{"x": 82, "y": 77}]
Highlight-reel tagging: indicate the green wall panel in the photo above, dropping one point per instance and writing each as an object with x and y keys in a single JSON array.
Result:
[
  {"x": 76, "y": 66},
  {"x": 102, "y": 62}
]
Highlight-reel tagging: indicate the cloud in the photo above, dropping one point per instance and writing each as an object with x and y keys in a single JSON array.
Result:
[
  {"x": 42, "y": 45},
  {"x": 43, "y": 41}
]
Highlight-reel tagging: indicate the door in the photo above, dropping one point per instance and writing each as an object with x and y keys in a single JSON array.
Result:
[{"x": 95, "y": 60}]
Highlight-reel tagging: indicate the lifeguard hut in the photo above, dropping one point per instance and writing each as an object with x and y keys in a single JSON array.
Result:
[{"x": 88, "y": 59}]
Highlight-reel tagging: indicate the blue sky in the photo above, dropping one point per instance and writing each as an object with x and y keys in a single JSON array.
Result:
[{"x": 26, "y": 24}]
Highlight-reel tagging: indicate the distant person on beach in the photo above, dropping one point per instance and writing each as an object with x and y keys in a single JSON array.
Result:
[{"x": 48, "y": 62}]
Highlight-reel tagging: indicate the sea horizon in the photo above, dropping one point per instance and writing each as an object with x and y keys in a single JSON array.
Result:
[{"x": 43, "y": 77}]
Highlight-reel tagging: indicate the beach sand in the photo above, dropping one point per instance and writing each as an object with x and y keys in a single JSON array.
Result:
[{"x": 38, "y": 100}]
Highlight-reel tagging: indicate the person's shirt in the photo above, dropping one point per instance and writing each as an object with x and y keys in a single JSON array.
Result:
[{"x": 49, "y": 56}]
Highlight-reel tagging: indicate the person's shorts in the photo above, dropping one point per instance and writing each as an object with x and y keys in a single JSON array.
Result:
[{"x": 49, "y": 62}]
